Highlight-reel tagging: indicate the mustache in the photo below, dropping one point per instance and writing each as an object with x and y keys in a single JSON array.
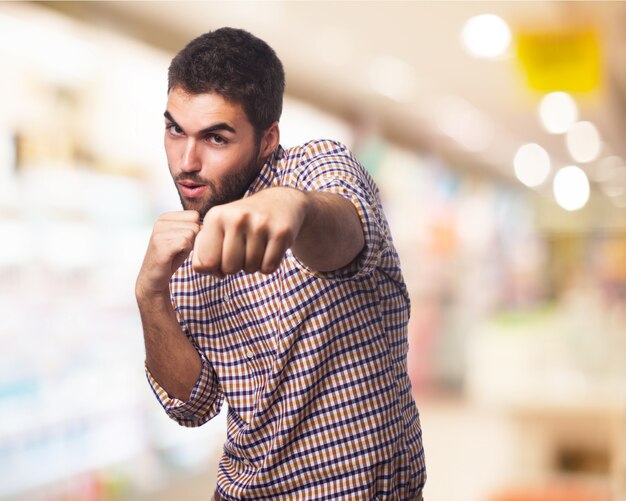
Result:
[{"x": 191, "y": 178}]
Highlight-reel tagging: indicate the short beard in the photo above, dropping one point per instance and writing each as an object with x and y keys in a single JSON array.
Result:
[{"x": 232, "y": 187}]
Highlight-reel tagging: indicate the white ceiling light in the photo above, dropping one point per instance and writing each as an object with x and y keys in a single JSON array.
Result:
[
  {"x": 486, "y": 36},
  {"x": 532, "y": 164},
  {"x": 571, "y": 188},
  {"x": 558, "y": 112},
  {"x": 583, "y": 142},
  {"x": 393, "y": 77}
]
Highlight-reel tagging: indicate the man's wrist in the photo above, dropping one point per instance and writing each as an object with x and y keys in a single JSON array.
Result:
[
  {"x": 303, "y": 202},
  {"x": 145, "y": 296}
]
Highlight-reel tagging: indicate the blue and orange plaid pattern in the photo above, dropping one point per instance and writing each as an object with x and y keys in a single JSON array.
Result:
[{"x": 312, "y": 365}]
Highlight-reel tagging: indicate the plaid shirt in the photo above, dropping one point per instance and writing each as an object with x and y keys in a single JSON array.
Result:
[{"x": 312, "y": 365}]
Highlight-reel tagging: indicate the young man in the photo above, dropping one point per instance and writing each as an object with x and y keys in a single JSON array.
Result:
[{"x": 277, "y": 289}]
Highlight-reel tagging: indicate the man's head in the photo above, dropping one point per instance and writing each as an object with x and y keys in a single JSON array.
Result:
[
  {"x": 238, "y": 66},
  {"x": 225, "y": 91}
]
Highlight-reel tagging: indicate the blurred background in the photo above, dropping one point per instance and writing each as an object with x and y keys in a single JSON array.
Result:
[{"x": 495, "y": 131}]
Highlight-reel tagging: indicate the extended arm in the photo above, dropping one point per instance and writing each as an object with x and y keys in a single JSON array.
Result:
[
  {"x": 331, "y": 235},
  {"x": 253, "y": 234}
]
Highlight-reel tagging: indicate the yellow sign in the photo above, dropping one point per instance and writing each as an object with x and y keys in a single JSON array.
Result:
[{"x": 560, "y": 60}]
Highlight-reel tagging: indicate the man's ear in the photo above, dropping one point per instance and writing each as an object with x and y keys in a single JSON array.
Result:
[{"x": 270, "y": 140}]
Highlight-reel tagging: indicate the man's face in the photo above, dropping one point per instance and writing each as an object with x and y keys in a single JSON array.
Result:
[{"x": 211, "y": 148}]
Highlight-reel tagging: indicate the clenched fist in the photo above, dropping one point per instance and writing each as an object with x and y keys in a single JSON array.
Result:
[
  {"x": 251, "y": 234},
  {"x": 171, "y": 242}
]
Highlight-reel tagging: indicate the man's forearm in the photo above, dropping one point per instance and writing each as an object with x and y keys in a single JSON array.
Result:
[
  {"x": 170, "y": 357},
  {"x": 331, "y": 236}
]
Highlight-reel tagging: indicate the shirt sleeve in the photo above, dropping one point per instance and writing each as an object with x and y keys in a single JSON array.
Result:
[
  {"x": 205, "y": 400},
  {"x": 332, "y": 168}
]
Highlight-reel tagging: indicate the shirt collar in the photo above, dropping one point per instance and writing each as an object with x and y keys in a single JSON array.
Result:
[{"x": 268, "y": 174}]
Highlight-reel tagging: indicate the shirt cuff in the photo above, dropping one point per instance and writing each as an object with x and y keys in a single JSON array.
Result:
[
  {"x": 369, "y": 256},
  {"x": 204, "y": 402}
]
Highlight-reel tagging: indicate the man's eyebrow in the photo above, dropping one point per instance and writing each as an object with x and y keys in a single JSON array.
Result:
[
  {"x": 207, "y": 130},
  {"x": 168, "y": 115}
]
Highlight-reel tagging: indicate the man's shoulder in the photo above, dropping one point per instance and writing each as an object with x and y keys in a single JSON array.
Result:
[
  {"x": 316, "y": 147},
  {"x": 298, "y": 157}
]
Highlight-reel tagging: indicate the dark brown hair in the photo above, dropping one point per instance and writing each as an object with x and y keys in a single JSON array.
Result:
[{"x": 237, "y": 65}]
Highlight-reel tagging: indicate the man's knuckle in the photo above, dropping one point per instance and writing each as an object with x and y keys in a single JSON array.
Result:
[
  {"x": 259, "y": 221},
  {"x": 216, "y": 212},
  {"x": 282, "y": 232},
  {"x": 208, "y": 263},
  {"x": 238, "y": 222}
]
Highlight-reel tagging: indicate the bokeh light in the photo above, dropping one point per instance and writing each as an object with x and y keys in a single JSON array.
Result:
[
  {"x": 486, "y": 36},
  {"x": 583, "y": 142},
  {"x": 571, "y": 188},
  {"x": 532, "y": 164},
  {"x": 558, "y": 112}
]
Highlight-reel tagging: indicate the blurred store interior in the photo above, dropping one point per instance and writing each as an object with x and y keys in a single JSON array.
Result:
[{"x": 496, "y": 133}]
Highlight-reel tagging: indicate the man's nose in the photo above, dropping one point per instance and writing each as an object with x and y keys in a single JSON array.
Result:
[{"x": 191, "y": 160}]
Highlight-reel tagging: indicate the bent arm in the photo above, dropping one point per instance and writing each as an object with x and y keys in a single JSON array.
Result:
[
  {"x": 331, "y": 235},
  {"x": 185, "y": 385},
  {"x": 170, "y": 357}
]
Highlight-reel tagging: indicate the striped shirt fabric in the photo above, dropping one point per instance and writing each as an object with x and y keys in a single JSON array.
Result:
[{"x": 312, "y": 365}]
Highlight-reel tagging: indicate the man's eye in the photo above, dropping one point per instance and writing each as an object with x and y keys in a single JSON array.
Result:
[
  {"x": 174, "y": 130},
  {"x": 215, "y": 139}
]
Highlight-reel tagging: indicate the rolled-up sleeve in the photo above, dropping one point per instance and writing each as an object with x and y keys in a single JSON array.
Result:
[
  {"x": 204, "y": 402},
  {"x": 337, "y": 171}
]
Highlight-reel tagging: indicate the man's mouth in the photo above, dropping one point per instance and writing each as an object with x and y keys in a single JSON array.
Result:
[{"x": 190, "y": 189}]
